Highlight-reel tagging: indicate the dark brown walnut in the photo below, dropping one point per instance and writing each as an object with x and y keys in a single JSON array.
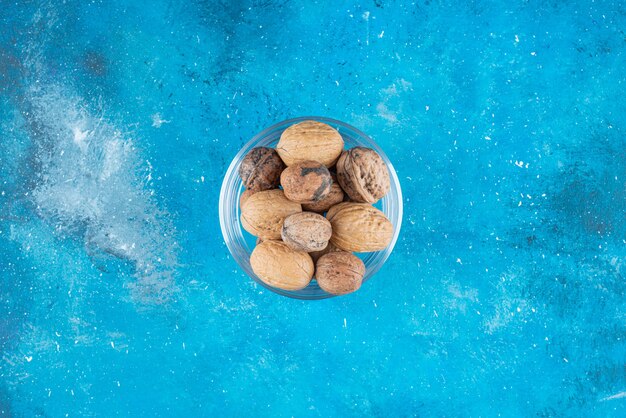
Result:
[
  {"x": 315, "y": 255},
  {"x": 363, "y": 175},
  {"x": 332, "y": 198},
  {"x": 339, "y": 272},
  {"x": 306, "y": 231},
  {"x": 260, "y": 169},
  {"x": 306, "y": 182}
]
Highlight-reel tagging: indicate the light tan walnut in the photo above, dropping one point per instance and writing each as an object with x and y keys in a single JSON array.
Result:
[
  {"x": 263, "y": 213},
  {"x": 336, "y": 208},
  {"x": 306, "y": 231},
  {"x": 244, "y": 196},
  {"x": 279, "y": 266},
  {"x": 339, "y": 272},
  {"x": 359, "y": 227},
  {"x": 310, "y": 140},
  {"x": 363, "y": 175}
]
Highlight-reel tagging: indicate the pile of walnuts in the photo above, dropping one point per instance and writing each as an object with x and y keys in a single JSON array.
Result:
[{"x": 289, "y": 190}]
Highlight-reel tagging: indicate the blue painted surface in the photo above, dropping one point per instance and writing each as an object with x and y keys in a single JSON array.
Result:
[{"x": 505, "y": 295}]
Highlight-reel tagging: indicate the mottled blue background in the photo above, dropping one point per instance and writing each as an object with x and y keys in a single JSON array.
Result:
[{"x": 505, "y": 295}]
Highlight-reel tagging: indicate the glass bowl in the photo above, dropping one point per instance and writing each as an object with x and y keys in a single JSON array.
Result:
[{"x": 240, "y": 243}]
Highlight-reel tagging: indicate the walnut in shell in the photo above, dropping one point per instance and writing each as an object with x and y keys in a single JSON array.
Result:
[
  {"x": 332, "y": 198},
  {"x": 339, "y": 272},
  {"x": 280, "y": 266},
  {"x": 306, "y": 182},
  {"x": 336, "y": 208},
  {"x": 263, "y": 213},
  {"x": 363, "y": 174},
  {"x": 260, "y": 169},
  {"x": 306, "y": 231},
  {"x": 359, "y": 227},
  {"x": 244, "y": 196},
  {"x": 315, "y": 255},
  {"x": 310, "y": 140}
]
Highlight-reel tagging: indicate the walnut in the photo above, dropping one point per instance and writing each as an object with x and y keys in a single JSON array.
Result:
[
  {"x": 263, "y": 213},
  {"x": 279, "y": 266},
  {"x": 260, "y": 169},
  {"x": 332, "y": 198},
  {"x": 306, "y": 231},
  {"x": 306, "y": 182},
  {"x": 339, "y": 272},
  {"x": 363, "y": 175},
  {"x": 359, "y": 227},
  {"x": 336, "y": 208},
  {"x": 315, "y": 255},
  {"x": 244, "y": 196},
  {"x": 310, "y": 140}
]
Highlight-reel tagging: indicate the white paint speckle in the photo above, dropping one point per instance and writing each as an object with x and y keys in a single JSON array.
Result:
[{"x": 157, "y": 121}]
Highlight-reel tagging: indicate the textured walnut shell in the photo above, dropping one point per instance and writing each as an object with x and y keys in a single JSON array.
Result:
[
  {"x": 306, "y": 231},
  {"x": 306, "y": 182},
  {"x": 263, "y": 213},
  {"x": 315, "y": 255},
  {"x": 260, "y": 169},
  {"x": 244, "y": 196},
  {"x": 359, "y": 227},
  {"x": 336, "y": 208},
  {"x": 280, "y": 266},
  {"x": 310, "y": 140},
  {"x": 332, "y": 198},
  {"x": 339, "y": 272},
  {"x": 363, "y": 175}
]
